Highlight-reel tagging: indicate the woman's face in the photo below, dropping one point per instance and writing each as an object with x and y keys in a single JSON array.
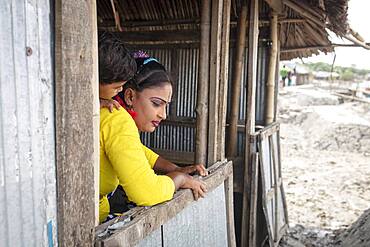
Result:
[{"x": 150, "y": 106}]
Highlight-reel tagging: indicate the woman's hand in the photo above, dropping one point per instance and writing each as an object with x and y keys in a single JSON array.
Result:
[
  {"x": 198, "y": 187},
  {"x": 197, "y": 168},
  {"x": 185, "y": 181},
  {"x": 109, "y": 103}
]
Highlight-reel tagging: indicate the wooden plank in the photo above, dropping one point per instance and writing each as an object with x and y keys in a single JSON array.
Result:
[
  {"x": 250, "y": 121},
  {"x": 273, "y": 153},
  {"x": 203, "y": 84},
  {"x": 214, "y": 80},
  {"x": 230, "y": 223},
  {"x": 224, "y": 77},
  {"x": 148, "y": 220},
  {"x": 281, "y": 182},
  {"x": 265, "y": 199},
  {"x": 254, "y": 196},
  {"x": 76, "y": 77}
]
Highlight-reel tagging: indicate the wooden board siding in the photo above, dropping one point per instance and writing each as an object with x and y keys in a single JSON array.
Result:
[{"x": 77, "y": 121}]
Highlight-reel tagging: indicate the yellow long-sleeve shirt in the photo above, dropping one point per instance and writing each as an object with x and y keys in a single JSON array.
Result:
[{"x": 126, "y": 161}]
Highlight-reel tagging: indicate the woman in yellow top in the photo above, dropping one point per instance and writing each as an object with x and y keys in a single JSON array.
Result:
[{"x": 124, "y": 160}]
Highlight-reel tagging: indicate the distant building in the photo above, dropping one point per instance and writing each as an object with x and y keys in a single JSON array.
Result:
[{"x": 324, "y": 75}]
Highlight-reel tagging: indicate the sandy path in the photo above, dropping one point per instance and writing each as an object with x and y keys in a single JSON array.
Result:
[{"x": 325, "y": 157}]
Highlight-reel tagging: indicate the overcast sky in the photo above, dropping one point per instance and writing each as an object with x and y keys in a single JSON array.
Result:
[{"x": 359, "y": 20}]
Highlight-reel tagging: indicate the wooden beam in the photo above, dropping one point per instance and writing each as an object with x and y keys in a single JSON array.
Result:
[
  {"x": 305, "y": 48},
  {"x": 214, "y": 80},
  {"x": 357, "y": 42},
  {"x": 203, "y": 85},
  {"x": 77, "y": 126},
  {"x": 224, "y": 79},
  {"x": 239, "y": 61},
  {"x": 254, "y": 195},
  {"x": 230, "y": 222},
  {"x": 182, "y": 36},
  {"x": 250, "y": 121},
  {"x": 148, "y": 220},
  {"x": 108, "y": 25},
  {"x": 270, "y": 85}
]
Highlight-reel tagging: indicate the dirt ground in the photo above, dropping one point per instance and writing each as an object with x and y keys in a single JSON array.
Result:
[{"x": 325, "y": 144}]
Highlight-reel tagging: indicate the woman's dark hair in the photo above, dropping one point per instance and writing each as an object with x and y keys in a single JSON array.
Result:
[
  {"x": 115, "y": 61},
  {"x": 150, "y": 74}
]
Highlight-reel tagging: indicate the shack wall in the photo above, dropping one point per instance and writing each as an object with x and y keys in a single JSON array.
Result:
[{"x": 27, "y": 133}]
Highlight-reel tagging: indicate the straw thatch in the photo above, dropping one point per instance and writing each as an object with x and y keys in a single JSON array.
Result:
[
  {"x": 310, "y": 36},
  {"x": 303, "y": 23}
]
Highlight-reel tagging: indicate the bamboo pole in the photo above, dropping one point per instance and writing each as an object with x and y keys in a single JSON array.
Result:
[
  {"x": 236, "y": 81},
  {"x": 357, "y": 42},
  {"x": 202, "y": 90},
  {"x": 270, "y": 85},
  {"x": 251, "y": 112}
]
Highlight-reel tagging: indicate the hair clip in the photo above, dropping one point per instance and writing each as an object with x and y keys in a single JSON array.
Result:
[{"x": 150, "y": 60}]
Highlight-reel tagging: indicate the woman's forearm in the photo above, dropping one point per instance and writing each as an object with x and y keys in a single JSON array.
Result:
[{"x": 164, "y": 166}]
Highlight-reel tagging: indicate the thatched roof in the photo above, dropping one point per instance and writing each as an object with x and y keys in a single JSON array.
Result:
[
  {"x": 309, "y": 36},
  {"x": 303, "y": 23}
]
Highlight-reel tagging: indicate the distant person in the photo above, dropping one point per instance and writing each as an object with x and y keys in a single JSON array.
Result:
[
  {"x": 283, "y": 74},
  {"x": 290, "y": 74}
]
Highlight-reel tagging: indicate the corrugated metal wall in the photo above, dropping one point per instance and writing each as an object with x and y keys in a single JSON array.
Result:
[
  {"x": 178, "y": 133},
  {"x": 201, "y": 223},
  {"x": 27, "y": 142}
]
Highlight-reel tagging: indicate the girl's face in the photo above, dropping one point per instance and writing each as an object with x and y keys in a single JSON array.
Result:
[{"x": 150, "y": 106}]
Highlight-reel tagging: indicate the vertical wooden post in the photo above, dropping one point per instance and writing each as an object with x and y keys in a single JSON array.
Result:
[
  {"x": 250, "y": 121},
  {"x": 270, "y": 85},
  {"x": 228, "y": 186},
  {"x": 77, "y": 120},
  {"x": 224, "y": 78},
  {"x": 214, "y": 81},
  {"x": 203, "y": 81},
  {"x": 236, "y": 81}
]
